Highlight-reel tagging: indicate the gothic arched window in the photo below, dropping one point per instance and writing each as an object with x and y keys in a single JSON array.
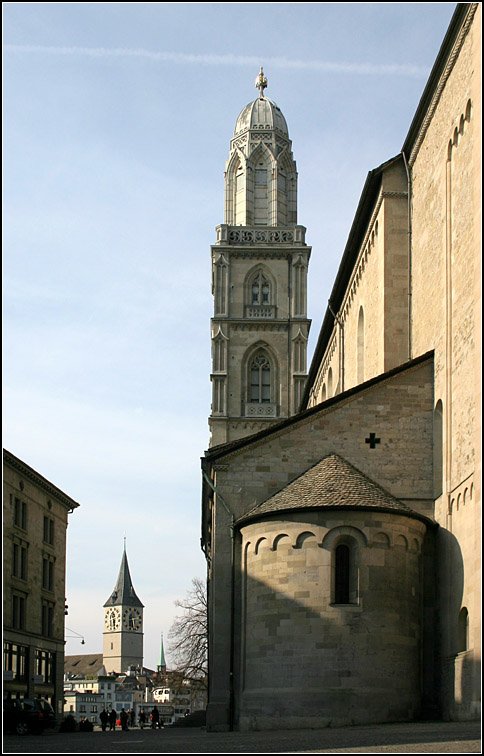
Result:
[
  {"x": 260, "y": 379},
  {"x": 261, "y": 195},
  {"x": 438, "y": 449},
  {"x": 239, "y": 196},
  {"x": 260, "y": 290}
]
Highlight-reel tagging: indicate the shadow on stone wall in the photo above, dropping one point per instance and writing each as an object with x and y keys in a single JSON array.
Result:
[
  {"x": 352, "y": 664},
  {"x": 460, "y": 669}
]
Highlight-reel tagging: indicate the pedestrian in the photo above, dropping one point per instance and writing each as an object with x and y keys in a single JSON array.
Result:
[
  {"x": 155, "y": 718},
  {"x": 104, "y": 719},
  {"x": 112, "y": 719},
  {"x": 132, "y": 718},
  {"x": 142, "y": 718},
  {"x": 124, "y": 719}
]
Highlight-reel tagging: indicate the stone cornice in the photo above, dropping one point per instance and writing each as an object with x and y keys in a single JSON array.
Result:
[
  {"x": 448, "y": 54},
  {"x": 28, "y": 472}
]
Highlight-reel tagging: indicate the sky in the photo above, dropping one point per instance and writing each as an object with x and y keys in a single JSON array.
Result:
[{"x": 117, "y": 120}]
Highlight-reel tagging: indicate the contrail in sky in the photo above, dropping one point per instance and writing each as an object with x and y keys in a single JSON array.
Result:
[{"x": 322, "y": 66}]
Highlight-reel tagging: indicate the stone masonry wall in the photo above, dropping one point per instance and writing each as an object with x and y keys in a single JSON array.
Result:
[
  {"x": 306, "y": 661},
  {"x": 445, "y": 301},
  {"x": 398, "y": 410}
]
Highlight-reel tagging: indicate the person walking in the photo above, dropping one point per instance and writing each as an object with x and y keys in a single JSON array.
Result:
[
  {"x": 112, "y": 719},
  {"x": 142, "y": 718},
  {"x": 124, "y": 719},
  {"x": 155, "y": 718},
  {"x": 104, "y": 716}
]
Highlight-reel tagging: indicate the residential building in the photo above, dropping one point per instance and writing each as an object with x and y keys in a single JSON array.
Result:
[{"x": 35, "y": 518}]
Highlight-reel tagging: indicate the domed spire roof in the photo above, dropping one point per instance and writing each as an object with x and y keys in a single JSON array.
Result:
[{"x": 262, "y": 113}]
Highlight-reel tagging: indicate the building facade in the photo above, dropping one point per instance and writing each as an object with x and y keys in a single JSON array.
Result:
[
  {"x": 35, "y": 518},
  {"x": 343, "y": 543},
  {"x": 83, "y": 705}
]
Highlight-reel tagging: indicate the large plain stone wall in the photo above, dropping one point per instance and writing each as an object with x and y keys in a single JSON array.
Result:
[{"x": 446, "y": 296}]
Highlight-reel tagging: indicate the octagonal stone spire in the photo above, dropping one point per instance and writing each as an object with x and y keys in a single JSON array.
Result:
[
  {"x": 261, "y": 174},
  {"x": 123, "y": 593}
]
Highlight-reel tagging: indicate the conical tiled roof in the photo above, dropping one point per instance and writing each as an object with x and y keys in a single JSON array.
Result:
[
  {"x": 123, "y": 593},
  {"x": 332, "y": 483}
]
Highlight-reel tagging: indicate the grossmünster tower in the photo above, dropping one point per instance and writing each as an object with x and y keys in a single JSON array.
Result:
[{"x": 260, "y": 260}]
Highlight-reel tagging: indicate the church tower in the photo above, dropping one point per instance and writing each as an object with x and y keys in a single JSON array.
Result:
[
  {"x": 123, "y": 624},
  {"x": 259, "y": 272}
]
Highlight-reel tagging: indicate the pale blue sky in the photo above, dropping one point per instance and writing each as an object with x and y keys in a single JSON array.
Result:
[{"x": 117, "y": 120}]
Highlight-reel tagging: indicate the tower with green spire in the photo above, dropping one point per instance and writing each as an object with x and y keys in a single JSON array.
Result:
[
  {"x": 123, "y": 624},
  {"x": 161, "y": 667}
]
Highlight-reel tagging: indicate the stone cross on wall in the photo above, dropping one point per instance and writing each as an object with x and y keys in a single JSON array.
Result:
[{"x": 372, "y": 440}]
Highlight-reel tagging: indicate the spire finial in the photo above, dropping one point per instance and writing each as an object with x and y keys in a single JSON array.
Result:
[
  {"x": 125, "y": 543},
  {"x": 261, "y": 83}
]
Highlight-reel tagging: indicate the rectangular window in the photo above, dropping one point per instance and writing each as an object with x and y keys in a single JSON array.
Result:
[
  {"x": 45, "y": 665},
  {"x": 20, "y": 514},
  {"x": 19, "y": 560},
  {"x": 48, "y": 530},
  {"x": 48, "y": 573},
  {"x": 18, "y": 611},
  {"x": 82, "y": 709},
  {"x": 47, "y": 619},
  {"x": 15, "y": 661}
]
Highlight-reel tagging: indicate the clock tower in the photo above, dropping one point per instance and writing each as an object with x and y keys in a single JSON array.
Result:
[{"x": 123, "y": 624}]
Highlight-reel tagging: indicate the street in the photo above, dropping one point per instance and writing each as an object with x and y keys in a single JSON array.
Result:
[{"x": 415, "y": 737}]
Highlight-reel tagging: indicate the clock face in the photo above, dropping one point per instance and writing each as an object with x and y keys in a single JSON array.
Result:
[
  {"x": 132, "y": 619},
  {"x": 112, "y": 620}
]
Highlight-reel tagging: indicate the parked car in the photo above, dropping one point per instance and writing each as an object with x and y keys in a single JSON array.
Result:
[
  {"x": 195, "y": 719},
  {"x": 27, "y": 715}
]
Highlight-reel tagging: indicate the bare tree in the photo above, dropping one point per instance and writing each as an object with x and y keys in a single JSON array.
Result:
[{"x": 188, "y": 633}]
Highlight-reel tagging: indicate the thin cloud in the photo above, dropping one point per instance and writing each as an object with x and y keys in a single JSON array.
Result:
[{"x": 321, "y": 66}]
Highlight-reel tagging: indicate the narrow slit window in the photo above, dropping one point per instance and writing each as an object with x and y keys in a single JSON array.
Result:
[{"x": 342, "y": 574}]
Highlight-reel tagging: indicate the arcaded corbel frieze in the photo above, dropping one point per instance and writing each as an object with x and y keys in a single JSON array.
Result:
[{"x": 442, "y": 82}]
